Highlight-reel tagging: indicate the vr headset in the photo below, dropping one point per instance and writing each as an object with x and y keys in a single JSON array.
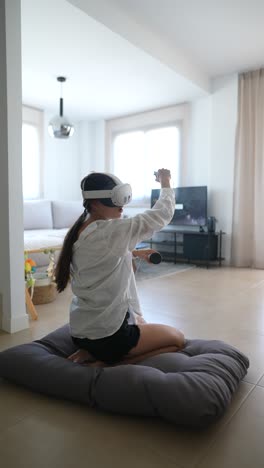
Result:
[{"x": 119, "y": 195}]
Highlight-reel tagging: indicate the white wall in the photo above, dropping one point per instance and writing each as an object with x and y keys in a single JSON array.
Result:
[
  {"x": 199, "y": 143},
  {"x": 92, "y": 146},
  {"x": 85, "y": 140},
  {"x": 221, "y": 185},
  {"x": 212, "y": 151},
  {"x": 67, "y": 161}
]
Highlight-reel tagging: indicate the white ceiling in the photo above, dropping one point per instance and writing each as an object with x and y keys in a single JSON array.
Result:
[
  {"x": 126, "y": 56},
  {"x": 221, "y": 36}
]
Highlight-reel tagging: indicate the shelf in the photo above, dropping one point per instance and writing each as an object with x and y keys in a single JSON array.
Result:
[
  {"x": 193, "y": 246},
  {"x": 165, "y": 243}
]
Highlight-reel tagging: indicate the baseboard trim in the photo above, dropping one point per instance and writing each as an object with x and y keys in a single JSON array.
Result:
[{"x": 15, "y": 324}]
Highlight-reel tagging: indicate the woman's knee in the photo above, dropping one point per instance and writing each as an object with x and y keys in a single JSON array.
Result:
[
  {"x": 176, "y": 336},
  {"x": 162, "y": 335},
  {"x": 180, "y": 339}
]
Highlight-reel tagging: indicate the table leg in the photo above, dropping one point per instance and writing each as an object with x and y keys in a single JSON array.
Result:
[{"x": 30, "y": 306}]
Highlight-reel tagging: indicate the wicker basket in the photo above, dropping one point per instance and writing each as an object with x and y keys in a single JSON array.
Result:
[{"x": 44, "y": 294}]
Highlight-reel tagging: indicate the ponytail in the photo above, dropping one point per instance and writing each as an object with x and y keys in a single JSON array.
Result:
[
  {"x": 62, "y": 271},
  {"x": 94, "y": 181}
]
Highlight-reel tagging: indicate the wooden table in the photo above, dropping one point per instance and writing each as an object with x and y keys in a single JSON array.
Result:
[{"x": 29, "y": 303}]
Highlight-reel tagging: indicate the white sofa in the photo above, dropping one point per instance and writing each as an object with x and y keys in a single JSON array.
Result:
[{"x": 46, "y": 223}]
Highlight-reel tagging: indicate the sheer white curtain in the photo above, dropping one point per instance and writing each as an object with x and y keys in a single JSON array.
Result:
[
  {"x": 137, "y": 154},
  {"x": 247, "y": 248}
]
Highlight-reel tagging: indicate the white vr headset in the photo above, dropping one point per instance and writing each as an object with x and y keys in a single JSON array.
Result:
[{"x": 120, "y": 195}]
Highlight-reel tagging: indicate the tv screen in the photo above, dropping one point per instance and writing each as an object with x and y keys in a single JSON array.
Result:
[{"x": 191, "y": 205}]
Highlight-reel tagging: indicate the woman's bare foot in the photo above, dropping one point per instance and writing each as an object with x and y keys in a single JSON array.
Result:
[
  {"x": 81, "y": 356},
  {"x": 94, "y": 364}
]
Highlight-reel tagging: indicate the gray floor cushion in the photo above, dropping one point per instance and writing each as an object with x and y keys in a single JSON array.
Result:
[{"x": 191, "y": 388}]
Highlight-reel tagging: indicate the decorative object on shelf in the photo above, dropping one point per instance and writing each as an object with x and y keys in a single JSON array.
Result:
[
  {"x": 41, "y": 285},
  {"x": 51, "y": 267},
  {"x": 41, "y": 279},
  {"x": 60, "y": 126},
  {"x": 29, "y": 268},
  {"x": 46, "y": 293},
  {"x": 211, "y": 223},
  {"x": 44, "y": 290}
]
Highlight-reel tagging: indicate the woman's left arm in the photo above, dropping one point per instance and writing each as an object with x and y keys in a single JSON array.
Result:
[{"x": 143, "y": 254}]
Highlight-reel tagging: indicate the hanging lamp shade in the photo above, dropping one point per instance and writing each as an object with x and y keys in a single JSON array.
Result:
[{"x": 60, "y": 126}]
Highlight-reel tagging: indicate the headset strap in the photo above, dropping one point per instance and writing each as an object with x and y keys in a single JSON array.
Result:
[{"x": 97, "y": 194}]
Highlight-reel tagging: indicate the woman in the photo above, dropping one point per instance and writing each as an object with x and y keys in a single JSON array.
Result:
[{"x": 105, "y": 317}]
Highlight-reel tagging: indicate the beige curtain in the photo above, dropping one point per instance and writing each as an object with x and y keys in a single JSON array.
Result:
[{"x": 247, "y": 247}]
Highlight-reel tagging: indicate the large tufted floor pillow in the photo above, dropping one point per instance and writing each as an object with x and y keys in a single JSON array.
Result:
[{"x": 191, "y": 388}]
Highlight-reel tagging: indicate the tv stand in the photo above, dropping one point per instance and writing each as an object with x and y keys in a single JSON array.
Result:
[{"x": 186, "y": 245}]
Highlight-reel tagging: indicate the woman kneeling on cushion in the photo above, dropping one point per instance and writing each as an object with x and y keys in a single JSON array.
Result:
[{"x": 105, "y": 318}]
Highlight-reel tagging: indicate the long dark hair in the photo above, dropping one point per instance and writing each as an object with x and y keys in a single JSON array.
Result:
[{"x": 94, "y": 181}]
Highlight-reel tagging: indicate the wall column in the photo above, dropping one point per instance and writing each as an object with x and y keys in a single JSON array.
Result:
[{"x": 13, "y": 315}]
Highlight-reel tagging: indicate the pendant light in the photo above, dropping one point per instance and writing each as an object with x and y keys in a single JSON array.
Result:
[{"x": 59, "y": 126}]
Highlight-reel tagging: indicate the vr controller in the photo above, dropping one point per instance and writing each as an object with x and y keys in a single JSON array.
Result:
[{"x": 155, "y": 258}]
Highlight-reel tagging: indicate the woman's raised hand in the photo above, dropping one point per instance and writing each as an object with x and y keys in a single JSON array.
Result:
[{"x": 163, "y": 176}]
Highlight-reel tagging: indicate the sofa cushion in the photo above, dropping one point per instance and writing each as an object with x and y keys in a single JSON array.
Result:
[
  {"x": 65, "y": 213},
  {"x": 37, "y": 214},
  {"x": 191, "y": 388}
]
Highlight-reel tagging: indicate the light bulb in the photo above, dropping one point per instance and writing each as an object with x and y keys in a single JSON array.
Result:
[{"x": 60, "y": 127}]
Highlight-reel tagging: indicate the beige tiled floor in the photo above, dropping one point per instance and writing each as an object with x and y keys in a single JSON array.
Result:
[{"x": 223, "y": 303}]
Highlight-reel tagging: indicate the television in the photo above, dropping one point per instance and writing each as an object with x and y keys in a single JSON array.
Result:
[{"x": 191, "y": 205}]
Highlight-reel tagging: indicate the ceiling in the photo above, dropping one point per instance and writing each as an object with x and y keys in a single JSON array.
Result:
[{"x": 127, "y": 56}]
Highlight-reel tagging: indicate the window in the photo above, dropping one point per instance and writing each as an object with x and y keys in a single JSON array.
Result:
[
  {"x": 31, "y": 153},
  {"x": 137, "y": 154},
  {"x": 30, "y": 161}
]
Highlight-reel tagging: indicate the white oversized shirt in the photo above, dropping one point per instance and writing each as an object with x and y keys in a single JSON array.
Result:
[{"x": 102, "y": 277}]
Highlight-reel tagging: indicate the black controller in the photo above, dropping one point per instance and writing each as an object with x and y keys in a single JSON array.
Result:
[{"x": 155, "y": 258}]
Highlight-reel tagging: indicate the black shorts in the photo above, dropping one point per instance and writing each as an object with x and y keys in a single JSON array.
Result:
[{"x": 113, "y": 348}]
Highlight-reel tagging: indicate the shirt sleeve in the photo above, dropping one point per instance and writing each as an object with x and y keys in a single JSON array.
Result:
[{"x": 123, "y": 235}]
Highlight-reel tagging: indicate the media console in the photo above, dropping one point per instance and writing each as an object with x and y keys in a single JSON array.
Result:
[{"x": 186, "y": 245}]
